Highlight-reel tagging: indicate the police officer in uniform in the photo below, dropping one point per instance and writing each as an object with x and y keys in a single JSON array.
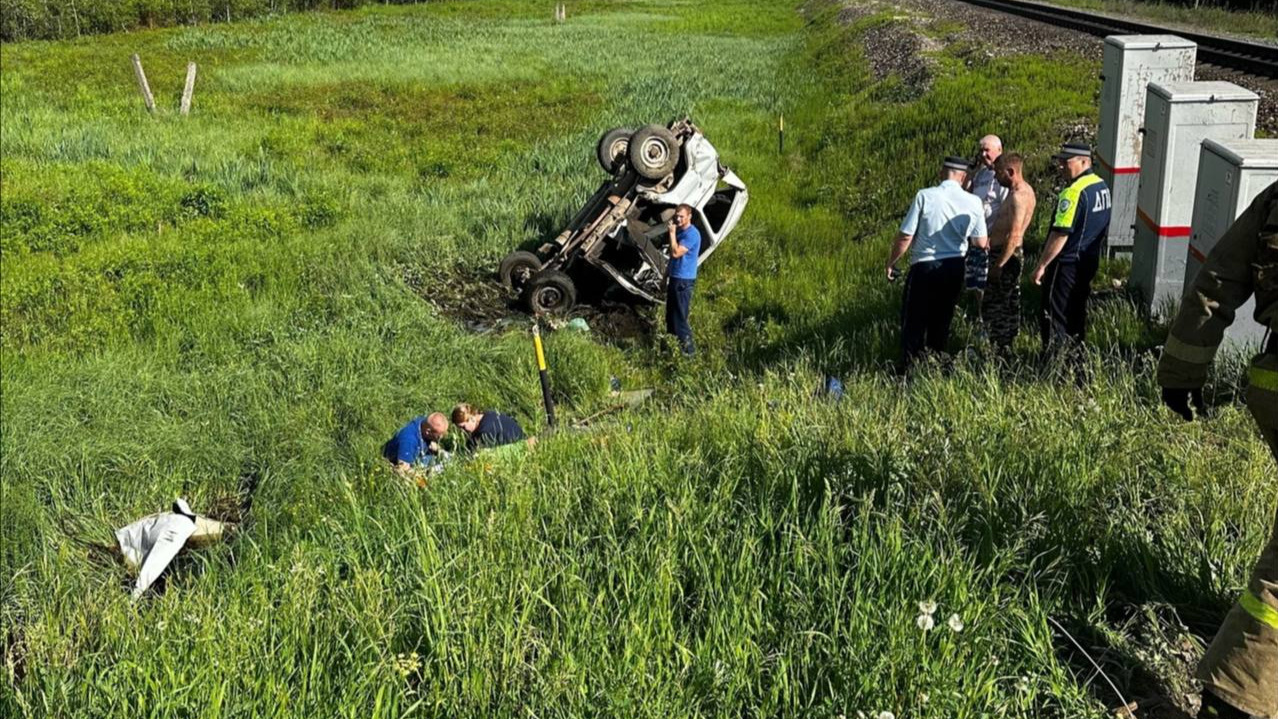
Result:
[
  {"x": 1072, "y": 254},
  {"x": 942, "y": 224},
  {"x": 1240, "y": 669}
]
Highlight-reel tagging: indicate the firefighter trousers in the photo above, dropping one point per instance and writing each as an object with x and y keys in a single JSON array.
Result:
[{"x": 1241, "y": 665}]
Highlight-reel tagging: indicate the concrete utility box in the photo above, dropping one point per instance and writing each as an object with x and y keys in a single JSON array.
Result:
[
  {"x": 1129, "y": 64},
  {"x": 1230, "y": 175},
  {"x": 1178, "y": 117}
]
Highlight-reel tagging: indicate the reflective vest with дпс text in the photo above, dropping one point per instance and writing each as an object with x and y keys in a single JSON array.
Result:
[
  {"x": 1243, "y": 262},
  {"x": 1082, "y": 214}
]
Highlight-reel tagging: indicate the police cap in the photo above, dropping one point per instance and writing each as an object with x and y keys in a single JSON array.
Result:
[
  {"x": 955, "y": 163},
  {"x": 1074, "y": 149}
]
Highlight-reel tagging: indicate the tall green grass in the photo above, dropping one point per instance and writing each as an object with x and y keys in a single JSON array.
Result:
[{"x": 244, "y": 295}]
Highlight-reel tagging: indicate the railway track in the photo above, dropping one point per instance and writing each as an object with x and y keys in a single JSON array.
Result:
[{"x": 1247, "y": 57}]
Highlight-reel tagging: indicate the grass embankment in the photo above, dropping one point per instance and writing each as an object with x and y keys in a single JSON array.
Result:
[{"x": 189, "y": 302}]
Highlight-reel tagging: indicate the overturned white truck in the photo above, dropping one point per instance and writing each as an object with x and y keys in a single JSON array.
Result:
[{"x": 618, "y": 238}]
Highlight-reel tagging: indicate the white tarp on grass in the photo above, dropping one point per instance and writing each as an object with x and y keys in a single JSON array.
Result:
[{"x": 150, "y": 544}]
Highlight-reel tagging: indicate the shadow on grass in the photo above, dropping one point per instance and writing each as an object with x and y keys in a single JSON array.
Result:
[
  {"x": 831, "y": 341},
  {"x": 1057, "y": 538},
  {"x": 1165, "y": 695}
]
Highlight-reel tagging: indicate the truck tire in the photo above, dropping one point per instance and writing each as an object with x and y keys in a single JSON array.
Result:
[
  {"x": 613, "y": 149},
  {"x": 549, "y": 292},
  {"x": 517, "y": 268},
  {"x": 654, "y": 152}
]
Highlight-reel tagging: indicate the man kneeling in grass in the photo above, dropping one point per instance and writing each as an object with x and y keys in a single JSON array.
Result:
[
  {"x": 416, "y": 444},
  {"x": 485, "y": 430}
]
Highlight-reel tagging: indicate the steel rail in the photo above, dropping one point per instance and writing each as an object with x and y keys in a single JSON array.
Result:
[{"x": 1252, "y": 58}]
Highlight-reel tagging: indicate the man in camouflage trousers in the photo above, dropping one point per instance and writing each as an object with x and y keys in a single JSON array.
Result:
[
  {"x": 1001, "y": 301},
  {"x": 1240, "y": 669}
]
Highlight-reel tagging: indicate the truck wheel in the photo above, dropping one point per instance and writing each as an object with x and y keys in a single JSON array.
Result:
[
  {"x": 517, "y": 268},
  {"x": 654, "y": 152},
  {"x": 550, "y": 292},
  {"x": 613, "y": 148}
]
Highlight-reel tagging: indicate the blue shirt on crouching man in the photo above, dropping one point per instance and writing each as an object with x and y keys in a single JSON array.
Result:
[{"x": 409, "y": 446}]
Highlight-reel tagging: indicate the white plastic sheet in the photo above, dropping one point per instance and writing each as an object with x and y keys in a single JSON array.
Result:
[{"x": 150, "y": 544}]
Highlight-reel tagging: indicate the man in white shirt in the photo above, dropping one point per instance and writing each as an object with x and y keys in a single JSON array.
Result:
[
  {"x": 982, "y": 182},
  {"x": 939, "y": 225}
]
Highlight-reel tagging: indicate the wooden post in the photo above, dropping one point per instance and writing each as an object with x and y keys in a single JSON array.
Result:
[
  {"x": 142, "y": 84},
  {"x": 189, "y": 89}
]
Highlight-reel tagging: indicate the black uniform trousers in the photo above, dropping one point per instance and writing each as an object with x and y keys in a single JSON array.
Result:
[
  {"x": 1067, "y": 286},
  {"x": 932, "y": 291}
]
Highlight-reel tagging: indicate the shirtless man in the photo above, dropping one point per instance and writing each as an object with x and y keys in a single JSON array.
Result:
[{"x": 1001, "y": 305}]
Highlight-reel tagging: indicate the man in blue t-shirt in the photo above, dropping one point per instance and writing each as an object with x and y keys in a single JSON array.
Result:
[
  {"x": 685, "y": 249},
  {"x": 416, "y": 443}
]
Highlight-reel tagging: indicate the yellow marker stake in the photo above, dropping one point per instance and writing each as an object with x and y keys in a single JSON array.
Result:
[
  {"x": 541, "y": 353},
  {"x": 544, "y": 375}
]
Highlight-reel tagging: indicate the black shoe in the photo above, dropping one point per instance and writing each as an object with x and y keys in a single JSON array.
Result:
[{"x": 1216, "y": 708}]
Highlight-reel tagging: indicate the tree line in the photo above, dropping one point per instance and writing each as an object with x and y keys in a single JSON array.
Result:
[{"x": 60, "y": 19}]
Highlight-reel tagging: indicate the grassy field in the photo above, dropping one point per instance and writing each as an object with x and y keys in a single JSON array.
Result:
[{"x": 245, "y": 295}]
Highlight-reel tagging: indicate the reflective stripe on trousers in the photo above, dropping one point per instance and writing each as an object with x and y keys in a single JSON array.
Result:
[{"x": 1241, "y": 665}]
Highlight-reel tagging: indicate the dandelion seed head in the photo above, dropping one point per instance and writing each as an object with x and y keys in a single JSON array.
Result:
[
  {"x": 955, "y": 622},
  {"x": 928, "y": 606},
  {"x": 925, "y": 622}
]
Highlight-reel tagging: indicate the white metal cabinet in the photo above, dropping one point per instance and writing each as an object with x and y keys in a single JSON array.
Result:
[
  {"x": 1230, "y": 175},
  {"x": 1129, "y": 64},
  {"x": 1178, "y": 117}
]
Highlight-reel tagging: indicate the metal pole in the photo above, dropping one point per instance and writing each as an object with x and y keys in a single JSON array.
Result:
[
  {"x": 781, "y": 135},
  {"x": 545, "y": 375}
]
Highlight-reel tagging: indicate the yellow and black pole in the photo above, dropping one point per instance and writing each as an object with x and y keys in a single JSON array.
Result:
[
  {"x": 545, "y": 375},
  {"x": 781, "y": 134}
]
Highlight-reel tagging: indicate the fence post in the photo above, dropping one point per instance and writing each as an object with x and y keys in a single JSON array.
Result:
[
  {"x": 142, "y": 84},
  {"x": 189, "y": 89}
]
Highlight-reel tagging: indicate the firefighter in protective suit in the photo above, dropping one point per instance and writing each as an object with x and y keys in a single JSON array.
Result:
[{"x": 1240, "y": 669}]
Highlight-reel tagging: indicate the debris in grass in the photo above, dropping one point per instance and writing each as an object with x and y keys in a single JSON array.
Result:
[
  {"x": 577, "y": 324},
  {"x": 629, "y": 399},
  {"x": 482, "y": 306},
  {"x": 149, "y": 545},
  {"x": 831, "y": 388}
]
